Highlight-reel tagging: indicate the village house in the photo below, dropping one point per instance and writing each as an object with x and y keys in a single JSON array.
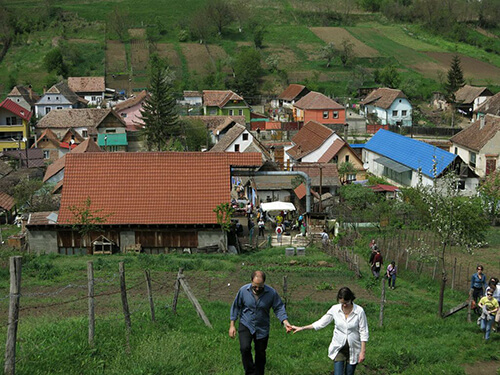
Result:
[
  {"x": 24, "y": 96},
  {"x": 191, "y": 99},
  {"x": 479, "y": 145},
  {"x": 315, "y": 106},
  {"x": 55, "y": 171},
  {"x": 59, "y": 96},
  {"x": 387, "y": 107},
  {"x": 91, "y": 89},
  {"x": 217, "y": 126},
  {"x": 239, "y": 139},
  {"x": 316, "y": 143},
  {"x": 14, "y": 126},
  {"x": 490, "y": 106},
  {"x": 469, "y": 98},
  {"x": 104, "y": 125},
  {"x": 282, "y": 107},
  {"x": 130, "y": 111},
  {"x": 150, "y": 209},
  {"x": 225, "y": 102},
  {"x": 405, "y": 161}
]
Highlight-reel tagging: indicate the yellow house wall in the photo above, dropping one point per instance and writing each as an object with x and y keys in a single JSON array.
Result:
[
  {"x": 18, "y": 128},
  {"x": 353, "y": 158}
]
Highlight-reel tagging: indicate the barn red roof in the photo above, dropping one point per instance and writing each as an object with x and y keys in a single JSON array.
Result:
[
  {"x": 16, "y": 109},
  {"x": 153, "y": 187}
]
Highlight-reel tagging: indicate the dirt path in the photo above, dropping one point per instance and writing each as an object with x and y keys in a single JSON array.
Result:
[{"x": 483, "y": 368}]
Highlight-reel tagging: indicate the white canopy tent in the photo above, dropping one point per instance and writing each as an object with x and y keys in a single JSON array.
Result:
[{"x": 277, "y": 206}]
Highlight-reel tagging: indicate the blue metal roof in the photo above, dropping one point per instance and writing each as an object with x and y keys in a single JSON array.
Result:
[
  {"x": 357, "y": 145},
  {"x": 410, "y": 152}
]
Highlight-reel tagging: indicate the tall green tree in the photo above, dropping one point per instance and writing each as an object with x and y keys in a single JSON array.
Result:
[
  {"x": 454, "y": 81},
  {"x": 159, "y": 112},
  {"x": 247, "y": 71},
  {"x": 328, "y": 53}
]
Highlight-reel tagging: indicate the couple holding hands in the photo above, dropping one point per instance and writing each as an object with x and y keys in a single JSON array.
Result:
[{"x": 252, "y": 306}]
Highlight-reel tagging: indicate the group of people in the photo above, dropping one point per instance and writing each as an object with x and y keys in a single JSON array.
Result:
[
  {"x": 376, "y": 261},
  {"x": 252, "y": 305},
  {"x": 486, "y": 296}
]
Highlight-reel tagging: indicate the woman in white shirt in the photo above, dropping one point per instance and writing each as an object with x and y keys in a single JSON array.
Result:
[{"x": 350, "y": 334}]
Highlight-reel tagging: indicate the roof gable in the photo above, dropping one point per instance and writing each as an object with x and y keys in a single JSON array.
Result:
[
  {"x": 383, "y": 97},
  {"x": 309, "y": 138},
  {"x": 28, "y": 94},
  {"x": 219, "y": 98},
  {"x": 63, "y": 89},
  {"x": 316, "y": 100},
  {"x": 16, "y": 109},
  {"x": 491, "y": 105},
  {"x": 467, "y": 94},
  {"x": 160, "y": 188},
  {"x": 139, "y": 98},
  {"x": 410, "y": 152},
  {"x": 292, "y": 91},
  {"x": 476, "y": 136},
  {"x": 228, "y": 138},
  {"x": 48, "y": 136}
]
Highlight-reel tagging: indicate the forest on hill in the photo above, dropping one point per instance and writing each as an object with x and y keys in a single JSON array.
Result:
[{"x": 255, "y": 48}]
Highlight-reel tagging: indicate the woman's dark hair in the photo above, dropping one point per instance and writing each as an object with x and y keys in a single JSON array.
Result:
[
  {"x": 346, "y": 294},
  {"x": 492, "y": 284}
]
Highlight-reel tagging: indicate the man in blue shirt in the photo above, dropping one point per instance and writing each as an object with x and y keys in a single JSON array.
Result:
[{"x": 252, "y": 305}]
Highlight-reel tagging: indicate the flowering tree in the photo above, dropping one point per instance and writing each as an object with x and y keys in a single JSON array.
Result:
[
  {"x": 224, "y": 212},
  {"x": 490, "y": 193},
  {"x": 455, "y": 219}
]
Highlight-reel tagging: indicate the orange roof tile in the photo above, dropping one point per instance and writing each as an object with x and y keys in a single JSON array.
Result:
[
  {"x": 151, "y": 188},
  {"x": 383, "y": 97},
  {"x": 332, "y": 151},
  {"x": 316, "y": 100},
  {"x": 292, "y": 91},
  {"x": 219, "y": 98},
  {"x": 139, "y": 98},
  {"x": 16, "y": 109},
  {"x": 309, "y": 138},
  {"x": 6, "y": 201}
]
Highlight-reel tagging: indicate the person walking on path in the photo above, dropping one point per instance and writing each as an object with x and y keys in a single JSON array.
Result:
[
  {"x": 392, "y": 270},
  {"x": 489, "y": 306},
  {"x": 262, "y": 225},
  {"x": 494, "y": 287},
  {"x": 252, "y": 305},
  {"x": 350, "y": 334},
  {"x": 376, "y": 264},
  {"x": 478, "y": 285}
]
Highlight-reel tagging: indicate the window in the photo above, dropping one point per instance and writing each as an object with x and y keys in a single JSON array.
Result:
[
  {"x": 461, "y": 184},
  {"x": 48, "y": 97},
  {"x": 11, "y": 120},
  {"x": 123, "y": 114},
  {"x": 85, "y": 133},
  {"x": 59, "y": 107},
  {"x": 231, "y": 112},
  {"x": 46, "y": 154},
  {"x": 335, "y": 159},
  {"x": 47, "y": 109},
  {"x": 346, "y": 158},
  {"x": 7, "y": 136},
  {"x": 403, "y": 113},
  {"x": 245, "y": 136},
  {"x": 472, "y": 159},
  {"x": 93, "y": 98},
  {"x": 335, "y": 114},
  {"x": 236, "y": 148},
  {"x": 394, "y": 113},
  {"x": 110, "y": 131},
  {"x": 325, "y": 114},
  {"x": 351, "y": 177},
  {"x": 456, "y": 150},
  {"x": 57, "y": 98},
  {"x": 240, "y": 112}
]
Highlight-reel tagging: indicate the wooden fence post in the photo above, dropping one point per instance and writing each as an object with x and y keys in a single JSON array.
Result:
[
  {"x": 90, "y": 280},
  {"x": 15, "y": 296},
  {"x": 176, "y": 290},
  {"x": 453, "y": 274},
  {"x": 469, "y": 307},
  {"x": 194, "y": 301},
  {"x": 126, "y": 312},
  {"x": 285, "y": 289},
  {"x": 382, "y": 302},
  {"x": 147, "y": 275}
]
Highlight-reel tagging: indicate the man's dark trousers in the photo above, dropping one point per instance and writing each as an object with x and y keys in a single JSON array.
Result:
[{"x": 251, "y": 367}]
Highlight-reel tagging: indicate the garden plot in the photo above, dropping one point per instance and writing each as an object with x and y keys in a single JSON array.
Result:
[
  {"x": 116, "y": 57},
  {"x": 139, "y": 55},
  {"x": 337, "y": 35},
  {"x": 474, "y": 69},
  {"x": 202, "y": 58}
]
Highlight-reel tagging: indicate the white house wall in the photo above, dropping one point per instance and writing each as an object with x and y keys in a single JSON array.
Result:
[
  {"x": 243, "y": 144},
  {"x": 314, "y": 156},
  {"x": 385, "y": 116}
]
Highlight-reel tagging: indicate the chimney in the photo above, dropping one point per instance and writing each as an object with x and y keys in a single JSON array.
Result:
[
  {"x": 44, "y": 89},
  {"x": 481, "y": 122},
  {"x": 30, "y": 90}
]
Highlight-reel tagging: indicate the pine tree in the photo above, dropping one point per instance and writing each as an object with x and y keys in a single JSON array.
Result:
[
  {"x": 159, "y": 112},
  {"x": 455, "y": 77}
]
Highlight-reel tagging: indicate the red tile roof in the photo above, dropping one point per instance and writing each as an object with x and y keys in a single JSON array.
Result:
[
  {"x": 309, "y": 138},
  {"x": 139, "y": 98},
  {"x": 291, "y": 92},
  {"x": 332, "y": 151},
  {"x": 491, "y": 105},
  {"x": 316, "y": 100},
  {"x": 6, "y": 201},
  {"x": 476, "y": 136},
  {"x": 16, "y": 109},
  {"x": 300, "y": 191},
  {"x": 219, "y": 98},
  {"x": 151, "y": 188}
]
